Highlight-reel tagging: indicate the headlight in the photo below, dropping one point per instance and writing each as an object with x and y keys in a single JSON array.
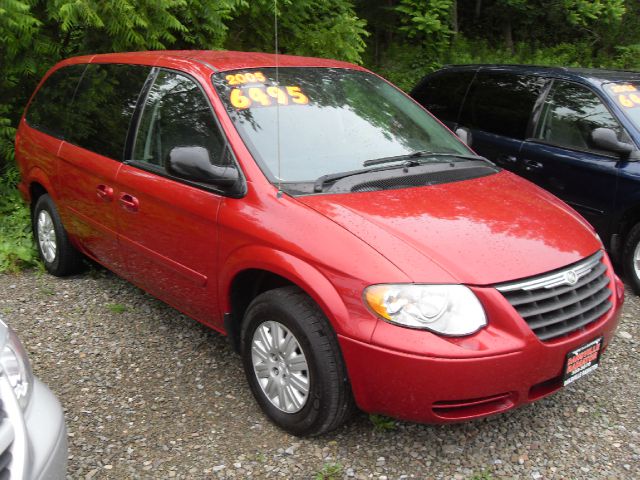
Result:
[
  {"x": 446, "y": 309},
  {"x": 15, "y": 365}
]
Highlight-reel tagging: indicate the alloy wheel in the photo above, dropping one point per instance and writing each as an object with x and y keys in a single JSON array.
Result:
[
  {"x": 280, "y": 366},
  {"x": 47, "y": 236}
]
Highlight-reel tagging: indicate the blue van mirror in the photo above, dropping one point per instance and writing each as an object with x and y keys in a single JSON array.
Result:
[
  {"x": 464, "y": 134},
  {"x": 607, "y": 139}
]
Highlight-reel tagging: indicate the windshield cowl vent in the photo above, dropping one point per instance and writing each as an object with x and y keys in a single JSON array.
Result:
[{"x": 419, "y": 180}]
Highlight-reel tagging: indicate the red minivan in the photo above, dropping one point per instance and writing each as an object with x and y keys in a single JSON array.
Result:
[{"x": 353, "y": 249}]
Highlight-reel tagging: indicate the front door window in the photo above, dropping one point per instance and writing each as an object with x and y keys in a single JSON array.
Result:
[
  {"x": 569, "y": 116},
  {"x": 177, "y": 114}
]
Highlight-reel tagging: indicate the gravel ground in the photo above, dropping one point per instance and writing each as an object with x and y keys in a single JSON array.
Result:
[{"x": 149, "y": 393}]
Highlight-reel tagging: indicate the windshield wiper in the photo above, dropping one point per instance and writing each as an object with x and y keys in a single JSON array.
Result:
[
  {"x": 330, "y": 177},
  {"x": 419, "y": 154},
  {"x": 408, "y": 160}
]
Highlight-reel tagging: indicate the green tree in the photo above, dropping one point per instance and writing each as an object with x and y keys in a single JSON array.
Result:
[
  {"x": 17, "y": 28},
  {"x": 429, "y": 22},
  {"x": 421, "y": 35},
  {"x": 589, "y": 13},
  {"x": 323, "y": 28}
]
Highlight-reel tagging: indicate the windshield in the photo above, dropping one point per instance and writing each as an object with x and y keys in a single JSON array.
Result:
[
  {"x": 331, "y": 120},
  {"x": 627, "y": 97}
]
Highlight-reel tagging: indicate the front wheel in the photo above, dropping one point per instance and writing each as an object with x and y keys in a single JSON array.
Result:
[
  {"x": 631, "y": 258},
  {"x": 293, "y": 363}
]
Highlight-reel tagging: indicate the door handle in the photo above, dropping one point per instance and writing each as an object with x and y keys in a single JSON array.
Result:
[
  {"x": 129, "y": 202},
  {"x": 104, "y": 193},
  {"x": 507, "y": 159},
  {"x": 531, "y": 165}
]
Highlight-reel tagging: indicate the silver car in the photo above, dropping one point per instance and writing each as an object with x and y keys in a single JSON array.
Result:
[{"x": 33, "y": 436}]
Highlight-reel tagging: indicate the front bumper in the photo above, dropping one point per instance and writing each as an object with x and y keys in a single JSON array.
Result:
[
  {"x": 47, "y": 435},
  {"x": 418, "y": 376},
  {"x": 33, "y": 443}
]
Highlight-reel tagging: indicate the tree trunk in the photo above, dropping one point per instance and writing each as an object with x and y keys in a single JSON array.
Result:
[
  {"x": 508, "y": 36},
  {"x": 376, "y": 46},
  {"x": 478, "y": 8},
  {"x": 389, "y": 32},
  {"x": 454, "y": 16}
]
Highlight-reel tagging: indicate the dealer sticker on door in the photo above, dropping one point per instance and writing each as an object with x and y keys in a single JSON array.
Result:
[{"x": 582, "y": 361}]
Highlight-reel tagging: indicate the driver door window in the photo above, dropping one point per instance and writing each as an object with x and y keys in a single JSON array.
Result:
[
  {"x": 570, "y": 113},
  {"x": 177, "y": 114}
]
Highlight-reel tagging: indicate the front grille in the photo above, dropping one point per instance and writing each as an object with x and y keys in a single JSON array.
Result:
[{"x": 559, "y": 303}]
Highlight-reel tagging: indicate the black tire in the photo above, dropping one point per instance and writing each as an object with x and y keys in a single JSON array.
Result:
[
  {"x": 330, "y": 402},
  {"x": 631, "y": 245},
  {"x": 67, "y": 259}
]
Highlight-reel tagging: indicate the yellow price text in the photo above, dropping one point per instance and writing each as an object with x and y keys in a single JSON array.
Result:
[
  {"x": 244, "y": 78},
  {"x": 243, "y": 98},
  {"x": 629, "y": 100},
  {"x": 623, "y": 88}
]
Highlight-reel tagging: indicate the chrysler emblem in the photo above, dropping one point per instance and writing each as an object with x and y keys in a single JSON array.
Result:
[{"x": 571, "y": 277}]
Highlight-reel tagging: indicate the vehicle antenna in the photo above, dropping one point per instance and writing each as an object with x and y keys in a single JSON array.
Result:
[{"x": 275, "y": 28}]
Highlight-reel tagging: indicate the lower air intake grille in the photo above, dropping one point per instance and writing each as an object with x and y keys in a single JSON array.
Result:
[{"x": 559, "y": 303}]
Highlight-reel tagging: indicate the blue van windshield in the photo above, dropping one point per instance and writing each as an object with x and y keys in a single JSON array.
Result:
[{"x": 627, "y": 97}]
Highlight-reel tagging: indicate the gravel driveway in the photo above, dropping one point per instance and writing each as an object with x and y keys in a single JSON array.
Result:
[{"x": 149, "y": 393}]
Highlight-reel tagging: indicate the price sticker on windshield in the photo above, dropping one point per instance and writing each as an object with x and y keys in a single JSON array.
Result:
[
  {"x": 266, "y": 96},
  {"x": 625, "y": 94},
  {"x": 245, "y": 78}
]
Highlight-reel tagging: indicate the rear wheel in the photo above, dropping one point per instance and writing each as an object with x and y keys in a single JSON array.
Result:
[
  {"x": 58, "y": 255},
  {"x": 631, "y": 258},
  {"x": 293, "y": 363}
]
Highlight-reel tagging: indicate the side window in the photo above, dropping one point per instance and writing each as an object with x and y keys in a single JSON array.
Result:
[
  {"x": 176, "y": 114},
  {"x": 570, "y": 113},
  {"x": 501, "y": 103},
  {"x": 103, "y": 106},
  {"x": 442, "y": 94},
  {"x": 49, "y": 108}
]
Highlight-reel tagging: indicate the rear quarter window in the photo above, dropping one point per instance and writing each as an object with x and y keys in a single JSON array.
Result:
[
  {"x": 49, "y": 108},
  {"x": 442, "y": 93},
  {"x": 501, "y": 103},
  {"x": 103, "y": 106}
]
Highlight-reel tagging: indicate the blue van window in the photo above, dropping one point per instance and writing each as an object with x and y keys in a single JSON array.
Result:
[
  {"x": 569, "y": 115},
  {"x": 442, "y": 93},
  {"x": 501, "y": 103}
]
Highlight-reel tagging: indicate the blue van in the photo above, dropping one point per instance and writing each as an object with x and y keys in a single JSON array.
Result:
[{"x": 574, "y": 132}]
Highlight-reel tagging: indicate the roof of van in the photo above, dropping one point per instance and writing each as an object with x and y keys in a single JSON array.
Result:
[
  {"x": 593, "y": 75},
  {"x": 219, "y": 60}
]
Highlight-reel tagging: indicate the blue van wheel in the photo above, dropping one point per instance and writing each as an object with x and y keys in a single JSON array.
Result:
[{"x": 631, "y": 258}]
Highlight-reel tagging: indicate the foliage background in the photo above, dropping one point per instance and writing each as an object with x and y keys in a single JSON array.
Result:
[{"x": 401, "y": 39}]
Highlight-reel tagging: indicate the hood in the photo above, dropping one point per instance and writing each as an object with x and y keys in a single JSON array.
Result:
[{"x": 479, "y": 232}]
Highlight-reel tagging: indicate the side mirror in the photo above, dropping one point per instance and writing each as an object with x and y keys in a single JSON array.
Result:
[
  {"x": 464, "y": 134},
  {"x": 194, "y": 163},
  {"x": 606, "y": 139}
]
